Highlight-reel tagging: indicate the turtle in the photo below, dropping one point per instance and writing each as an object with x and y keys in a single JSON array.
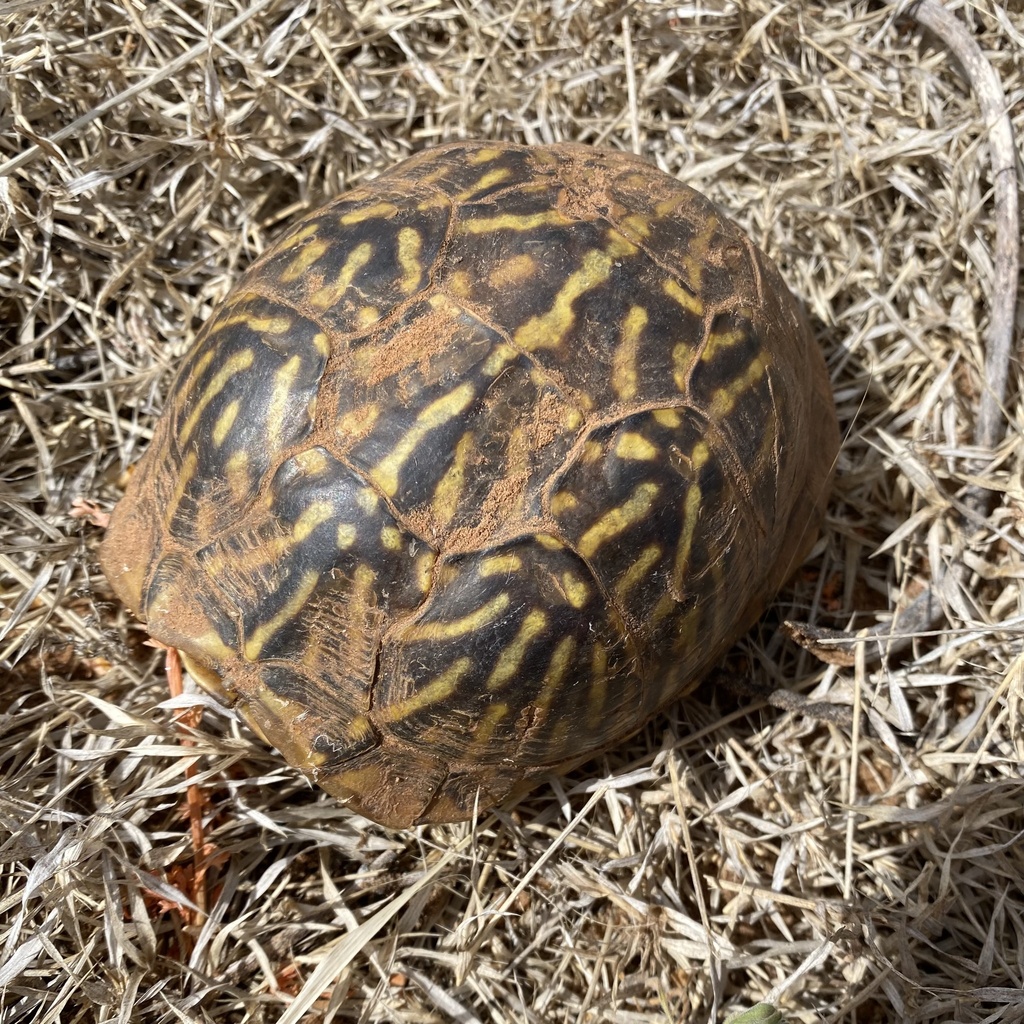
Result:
[{"x": 475, "y": 470}]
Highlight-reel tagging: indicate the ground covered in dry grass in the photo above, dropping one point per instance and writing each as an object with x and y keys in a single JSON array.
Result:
[{"x": 868, "y": 868}]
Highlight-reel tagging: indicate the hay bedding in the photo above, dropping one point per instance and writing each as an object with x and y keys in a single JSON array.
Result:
[{"x": 861, "y": 872}]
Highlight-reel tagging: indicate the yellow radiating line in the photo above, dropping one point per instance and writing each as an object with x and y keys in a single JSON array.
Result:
[
  {"x": 548, "y": 329},
  {"x": 725, "y": 398},
  {"x": 185, "y": 475},
  {"x": 257, "y": 324},
  {"x": 612, "y": 523},
  {"x": 493, "y": 177},
  {"x": 694, "y": 260},
  {"x": 631, "y": 445},
  {"x": 329, "y": 294},
  {"x": 357, "y": 216},
  {"x": 690, "y": 302},
  {"x": 313, "y": 515},
  {"x": 637, "y": 571},
  {"x": 691, "y": 512},
  {"x": 225, "y": 422},
  {"x": 277, "y": 407},
  {"x": 434, "y": 631},
  {"x": 511, "y": 222},
  {"x": 577, "y": 593},
  {"x": 683, "y": 357},
  {"x": 719, "y": 340},
  {"x": 512, "y": 272},
  {"x": 237, "y": 472},
  {"x": 595, "y": 702},
  {"x": 452, "y": 485},
  {"x": 357, "y": 423},
  {"x": 483, "y": 156},
  {"x": 307, "y": 256},
  {"x": 485, "y": 730},
  {"x": 436, "y": 690},
  {"x": 512, "y": 656},
  {"x": 624, "y": 360},
  {"x": 298, "y": 236},
  {"x": 261, "y": 634},
  {"x": 499, "y": 565},
  {"x": 410, "y": 245},
  {"x": 553, "y": 677},
  {"x": 385, "y": 473},
  {"x": 236, "y": 364}
]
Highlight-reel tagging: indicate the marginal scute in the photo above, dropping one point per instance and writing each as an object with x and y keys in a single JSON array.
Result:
[{"x": 475, "y": 470}]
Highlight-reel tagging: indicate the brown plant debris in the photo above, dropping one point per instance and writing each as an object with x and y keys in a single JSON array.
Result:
[{"x": 858, "y": 866}]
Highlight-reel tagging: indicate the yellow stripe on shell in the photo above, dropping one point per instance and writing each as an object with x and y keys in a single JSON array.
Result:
[
  {"x": 307, "y": 255},
  {"x": 694, "y": 258},
  {"x": 577, "y": 593},
  {"x": 684, "y": 297},
  {"x": 188, "y": 470},
  {"x": 225, "y": 422},
  {"x": 619, "y": 519},
  {"x": 275, "y": 325},
  {"x": 439, "y": 412},
  {"x": 391, "y": 538},
  {"x": 557, "y": 667},
  {"x": 684, "y": 356},
  {"x": 277, "y": 407},
  {"x": 562, "y": 502},
  {"x": 511, "y": 657},
  {"x": 262, "y": 633},
  {"x": 718, "y": 341},
  {"x": 236, "y": 363},
  {"x": 357, "y": 423},
  {"x": 313, "y": 515},
  {"x": 691, "y": 513},
  {"x": 598, "y": 686},
  {"x": 724, "y": 398},
  {"x": 637, "y": 572},
  {"x": 493, "y": 177},
  {"x": 410, "y": 245},
  {"x": 299, "y": 235},
  {"x": 499, "y": 565},
  {"x": 498, "y": 359},
  {"x": 313, "y": 461},
  {"x": 439, "y": 689},
  {"x": 624, "y": 373},
  {"x": 482, "y": 734},
  {"x": 382, "y": 211},
  {"x": 636, "y": 447},
  {"x": 512, "y": 222},
  {"x": 485, "y": 156},
  {"x": 548, "y": 330},
  {"x": 432, "y": 632},
  {"x": 595, "y": 702},
  {"x": 424, "y": 568},
  {"x": 451, "y": 486},
  {"x": 512, "y": 272},
  {"x": 330, "y": 294},
  {"x": 638, "y": 224},
  {"x": 237, "y": 471}
]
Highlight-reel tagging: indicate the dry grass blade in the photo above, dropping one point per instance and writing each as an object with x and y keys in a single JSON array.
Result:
[{"x": 862, "y": 864}]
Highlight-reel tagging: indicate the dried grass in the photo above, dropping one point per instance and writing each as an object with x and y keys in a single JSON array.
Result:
[{"x": 729, "y": 853}]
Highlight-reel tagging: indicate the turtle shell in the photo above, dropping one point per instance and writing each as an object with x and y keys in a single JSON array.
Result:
[{"x": 476, "y": 469}]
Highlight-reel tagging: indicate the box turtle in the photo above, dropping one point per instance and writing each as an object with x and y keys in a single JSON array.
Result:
[{"x": 476, "y": 469}]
